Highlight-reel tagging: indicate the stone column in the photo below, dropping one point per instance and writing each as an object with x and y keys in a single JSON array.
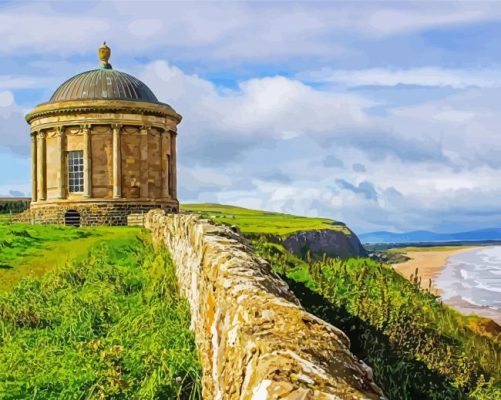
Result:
[
  {"x": 87, "y": 161},
  {"x": 165, "y": 163},
  {"x": 144, "y": 178},
  {"x": 34, "y": 188},
  {"x": 61, "y": 192},
  {"x": 172, "y": 169},
  {"x": 41, "y": 167},
  {"x": 117, "y": 162}
]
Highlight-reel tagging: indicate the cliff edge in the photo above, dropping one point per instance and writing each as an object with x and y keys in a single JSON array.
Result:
[{"x": 297, "y": 234}]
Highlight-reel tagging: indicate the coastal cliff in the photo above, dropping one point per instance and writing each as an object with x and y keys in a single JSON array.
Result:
[
  {"x": 342, "y": 244},
  {"x": 299, "y": 235},
  {"x": 254, "y": 338}
]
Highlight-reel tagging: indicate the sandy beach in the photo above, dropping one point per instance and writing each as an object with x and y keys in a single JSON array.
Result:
[{"x": 429, "y": 262}]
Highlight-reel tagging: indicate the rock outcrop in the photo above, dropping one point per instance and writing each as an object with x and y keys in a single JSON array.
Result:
[
  {"x": 255, "y": 340},
  {"x": 332, "y": 243}
]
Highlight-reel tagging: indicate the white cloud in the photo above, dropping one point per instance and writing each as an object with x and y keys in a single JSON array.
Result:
[
  {"x": 259, "y": 110},
  {"x": 15, "y": 190},
  {"x": 429, "y": 76},
  {"x": 26, "y": 31},
  {"x": 9, "y": 82},
  {"x": 14, "y": 132},
  {"x": 428, "y": 15},
  {"x": 6, "y": 99},
  {"x": 223, "y": 30},
  {"x": 417, "y": 159}
]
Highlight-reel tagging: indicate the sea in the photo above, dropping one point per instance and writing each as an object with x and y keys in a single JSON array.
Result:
[{"x": 471, "y": 282}]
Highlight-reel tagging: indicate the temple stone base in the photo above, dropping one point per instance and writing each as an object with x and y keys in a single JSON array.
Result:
[{"x": 90, "y": 213}]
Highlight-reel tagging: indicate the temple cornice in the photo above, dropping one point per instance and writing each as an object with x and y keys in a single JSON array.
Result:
[{"x": 100, "y": 106}]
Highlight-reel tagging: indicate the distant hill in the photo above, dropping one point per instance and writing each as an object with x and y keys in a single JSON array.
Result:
[{"x": 427, "y": 236}]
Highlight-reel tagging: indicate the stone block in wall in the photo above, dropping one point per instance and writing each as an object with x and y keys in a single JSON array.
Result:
[
  {"x": 135, "y": 219},
  {"x": 255, "y": 340}
]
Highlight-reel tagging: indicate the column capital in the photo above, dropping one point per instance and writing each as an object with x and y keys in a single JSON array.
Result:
[
  {"x": 145, "y": 129},
  {"x": 33, "y": 135},
  {"x": 41, "y": 135},
  {"x": 116, "y": 127},
  {"x": 85, "y": 128},
  {"x": 59, "y": 130}
]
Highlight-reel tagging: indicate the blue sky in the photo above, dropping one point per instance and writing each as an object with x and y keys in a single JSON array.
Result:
[{"x": 384, "y": 115}]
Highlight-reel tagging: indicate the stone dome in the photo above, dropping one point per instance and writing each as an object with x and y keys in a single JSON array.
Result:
[{"x": 103, "y": 84}]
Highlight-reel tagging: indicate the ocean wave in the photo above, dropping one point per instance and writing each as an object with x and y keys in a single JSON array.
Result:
[
  {"x": 470, "y": 301},
  {"x": 473, "y": 277},
  {"x": 474, "y": 304},
  {"x": 481, "y": 285}
]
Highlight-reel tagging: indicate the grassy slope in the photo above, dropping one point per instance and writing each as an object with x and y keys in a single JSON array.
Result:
[
  {"x": 32, "y": 250},
  {"x": 256, "y": 221},
  {"x": 110, "y": 325},
  {"x": 417, "y": 347}
]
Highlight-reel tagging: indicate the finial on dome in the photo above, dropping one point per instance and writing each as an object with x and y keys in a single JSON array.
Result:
[{"x": 104, "y": 53}]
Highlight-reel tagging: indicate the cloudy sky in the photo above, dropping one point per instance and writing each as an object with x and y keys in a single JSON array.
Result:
[{"x": 384, "y": 115}]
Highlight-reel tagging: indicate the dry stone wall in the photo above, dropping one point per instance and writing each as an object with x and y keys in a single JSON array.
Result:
[{"x": 255, "y": 340}]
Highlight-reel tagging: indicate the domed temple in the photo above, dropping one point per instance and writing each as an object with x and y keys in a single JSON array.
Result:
[{"x": 103, "y": 147}]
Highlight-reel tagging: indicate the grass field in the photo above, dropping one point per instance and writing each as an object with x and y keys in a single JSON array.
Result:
[
  {"x": 107, "y": 325},
  {"x": 4, "y": 218},
  {"x": 32, "y": 250},
  {"x": 262, "y": 222}
]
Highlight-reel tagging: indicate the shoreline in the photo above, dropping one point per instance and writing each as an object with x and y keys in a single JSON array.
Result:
[{"x": 430, "y": 262}]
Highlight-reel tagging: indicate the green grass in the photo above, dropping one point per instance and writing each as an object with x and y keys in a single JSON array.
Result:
[
  {"x": 417, "y": 347},
  {"x": 32, "y": 250},
  {"x": 107, "y": 326},
  {"x": 4, "y": 219},
  {"x": 262, "y": 222}
]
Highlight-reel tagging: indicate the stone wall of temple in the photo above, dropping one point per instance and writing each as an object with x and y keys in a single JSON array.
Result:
[
  {"x": 144, "y": 163},
  {"x": 91, "y": 213},
  {"x": 102, "y": 162},
  {"x": 254, "y": 338}
]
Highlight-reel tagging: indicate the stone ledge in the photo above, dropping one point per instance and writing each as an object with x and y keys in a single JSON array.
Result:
[{"x": 255, "y": 340}]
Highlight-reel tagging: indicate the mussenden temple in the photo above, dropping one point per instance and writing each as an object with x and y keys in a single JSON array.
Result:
[{"x": 103, "y": 147}]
